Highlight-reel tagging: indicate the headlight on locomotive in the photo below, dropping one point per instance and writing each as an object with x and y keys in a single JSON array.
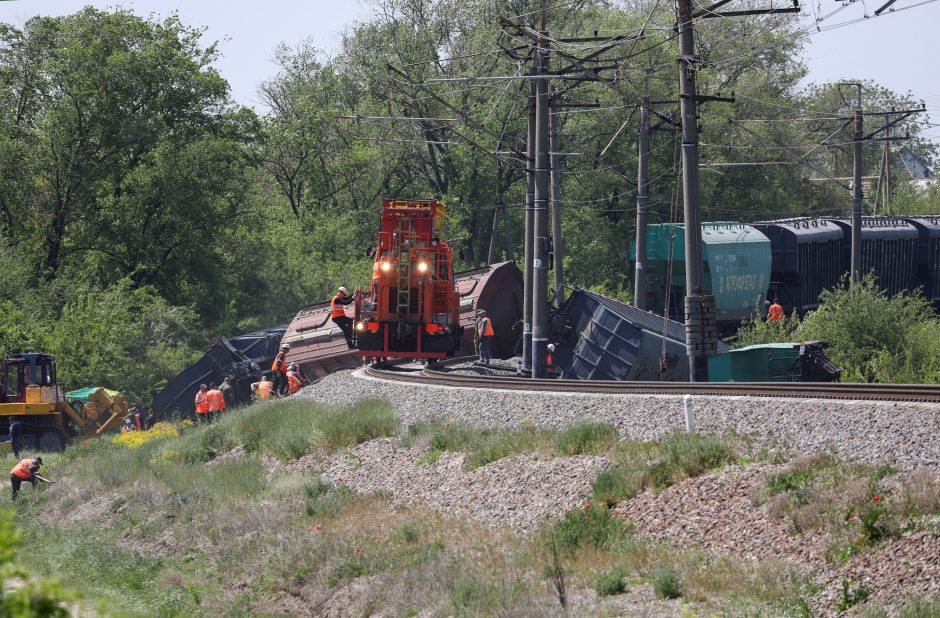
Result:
[
  {"x": 422, "y": 267},
  {"x": 386, "y": 266}
]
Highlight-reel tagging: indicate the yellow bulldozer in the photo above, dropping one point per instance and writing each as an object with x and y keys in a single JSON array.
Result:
[{"x": 48, "y": 422}]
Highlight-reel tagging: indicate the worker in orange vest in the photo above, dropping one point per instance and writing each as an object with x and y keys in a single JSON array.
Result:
[
  {"x": 215, "y": 402},
  {"x": 202, "y": 406},
  {"x": 24, "y": 471},
  {"x": 485, "y": 332},
  {"x": 264, "y": 388},
  {"x": 549, "y": 366},
  {"x": 279, "y": 369},
  {"x": 338, "y": 314},
  {"x": 294, "y": 383},
  {"x": 775, "y": 312}
]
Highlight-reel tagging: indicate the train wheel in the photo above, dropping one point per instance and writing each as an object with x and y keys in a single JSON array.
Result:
[{"x": 51, "y": 441}]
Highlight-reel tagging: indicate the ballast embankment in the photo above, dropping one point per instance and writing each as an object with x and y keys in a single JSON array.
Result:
[{"x": 905, "y": 435}]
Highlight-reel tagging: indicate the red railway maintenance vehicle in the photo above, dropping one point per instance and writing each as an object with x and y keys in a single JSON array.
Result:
[{"x": 412, "y": 309}]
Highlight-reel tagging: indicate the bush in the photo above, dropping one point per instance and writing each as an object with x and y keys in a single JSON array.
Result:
[
  {"x": 610, "y": 583},
  {"x": 594, "y": 527},
  {"x": 613, "y": 486},
  {"x": 851, "y": 596},
  {"x": 666, "y": 583},
  {"x": 876, "y": 522},
  {"x": 370, "y": 418},
  {"x": 586, "y": 439},
  {"x": 659, "y": 464},
  {"x": 483, "y": 446}
]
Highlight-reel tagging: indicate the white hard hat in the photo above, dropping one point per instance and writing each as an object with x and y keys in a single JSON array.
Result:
[
  {"x": 343, "y": 290},
  {"x": 293, "y": 366},
  {"x": 551, "y": 347},
  {"x": 285, "y": 346}
]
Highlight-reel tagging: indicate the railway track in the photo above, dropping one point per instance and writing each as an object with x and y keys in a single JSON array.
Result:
[{"x": 853, "y": 391}]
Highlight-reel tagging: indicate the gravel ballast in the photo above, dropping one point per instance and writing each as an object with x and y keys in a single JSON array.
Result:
[{"x": 905, "y": 435}]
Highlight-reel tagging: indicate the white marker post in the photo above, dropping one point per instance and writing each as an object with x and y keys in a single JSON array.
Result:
[{"x": 689, "y": 413}]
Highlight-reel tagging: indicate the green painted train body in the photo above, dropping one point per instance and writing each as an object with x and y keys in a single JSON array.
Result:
[{"x": 737, "y": 268}]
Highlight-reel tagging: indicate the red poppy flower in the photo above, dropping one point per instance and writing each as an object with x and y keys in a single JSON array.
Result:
[
  {"x": 877, "y": 498},
  {"x": 588, "y": 505},
  {"x": 318, "y": 527},
  {"x": 340, "y": 479},
  {"x": 358, "y": 551}
]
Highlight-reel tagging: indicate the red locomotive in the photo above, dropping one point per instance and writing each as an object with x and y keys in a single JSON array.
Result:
[{"x": 412, "y": 309}]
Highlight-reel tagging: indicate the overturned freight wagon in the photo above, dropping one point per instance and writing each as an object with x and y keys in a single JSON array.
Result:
[
  {"x": 598, "y": 338},
  {"x": 245, "y": 357},
  {"x": 318, "y": 345}
]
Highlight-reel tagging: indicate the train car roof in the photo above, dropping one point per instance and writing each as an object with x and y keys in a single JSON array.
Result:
[
  {"x": 881, "y": 227},
  {"x": 804, "y": 228}
]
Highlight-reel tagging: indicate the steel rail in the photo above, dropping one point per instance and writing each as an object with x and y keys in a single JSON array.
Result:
[{"x": 814, "y": 390}]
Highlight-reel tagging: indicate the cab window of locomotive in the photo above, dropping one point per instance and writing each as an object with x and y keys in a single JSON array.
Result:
[{"x": 12, "y": 384}]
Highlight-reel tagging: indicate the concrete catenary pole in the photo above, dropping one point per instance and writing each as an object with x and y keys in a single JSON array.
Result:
[
  {"x": 529, "y": 250},
  {"x": 557, "y": 240},
  {"x": 700, "y": 329},
  {"x": 856, "y": 261},
  {"x": 540, "y": 212},
  {"x": 642, "y": 206}
]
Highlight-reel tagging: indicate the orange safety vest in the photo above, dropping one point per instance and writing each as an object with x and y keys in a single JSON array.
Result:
[
  {"x": 336, "y": 308},
  {"x": 201, "y": 405},
  {"x": 486, "y": 327},
  {"x": 293, "y": 384},
  {"x": 264, "y": 389},
  {"x": 24, "y": 469},
  {"x": 775, "y": 312},
  {"x": 280, "y": 362},
  {"x": 215, "y": 401},
  {"x": 548, "y": 361}
]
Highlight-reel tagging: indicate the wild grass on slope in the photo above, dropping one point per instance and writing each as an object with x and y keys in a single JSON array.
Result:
[{"x": 485, "y": 446}]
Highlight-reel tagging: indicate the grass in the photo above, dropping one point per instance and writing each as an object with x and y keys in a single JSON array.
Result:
[
  {"x": 611, "y": 582},
  {"x": 658, "y": 465},
  {"x": 164, "y": 534},
  {"x": 856, "y": 505}
]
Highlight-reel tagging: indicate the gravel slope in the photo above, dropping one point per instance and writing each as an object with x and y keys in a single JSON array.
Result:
[{"x": 906, "y": 435}]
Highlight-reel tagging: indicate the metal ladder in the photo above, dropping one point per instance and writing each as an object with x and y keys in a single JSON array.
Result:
[{"x": 404, "y": 245}]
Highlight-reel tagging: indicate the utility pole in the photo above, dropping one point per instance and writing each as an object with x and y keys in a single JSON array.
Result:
[
  {"x": 540, "y": 212},
  {"x": 700, "y": 328},
  {"x": 557, "y": 241},
  {"x": 855, "y": 268},
  {"x": 529, "y": 252},
  {"x": 887, "y": 154},
  {"x": 642, "y": 202}
]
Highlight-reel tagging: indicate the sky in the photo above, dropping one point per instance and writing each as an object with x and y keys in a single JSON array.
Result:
[{"x": 897, "y": 50}]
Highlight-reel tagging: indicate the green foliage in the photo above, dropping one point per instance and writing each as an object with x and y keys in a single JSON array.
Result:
[
  {"x": 877, "y": 338},
  {"x": 341, "y": 427},
  {"x": 666, "y": 583},
  {"x": 660, "y": 464},
  {"x": 590, "y": 526},
  {"x": 611, "y": 582},
  {"x": 482, "y": 446},
  {"x": 876, "y": 522},
  {"x": 34, "y": 599},
  {"x": 757, "y": 330},
  {"x": 850, "y": 597},
  {"x": 586, "y": 439},
  {"x": 874, "y": 337}
]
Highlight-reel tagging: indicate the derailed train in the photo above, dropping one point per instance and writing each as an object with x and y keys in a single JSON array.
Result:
[{"x": 793, "y": 260}]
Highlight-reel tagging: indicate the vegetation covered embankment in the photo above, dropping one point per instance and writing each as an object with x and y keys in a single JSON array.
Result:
[{"x": 873, "y": 336}]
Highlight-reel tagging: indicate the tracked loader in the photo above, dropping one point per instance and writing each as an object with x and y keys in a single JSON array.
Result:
[{"x": 29, "y": 393}]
